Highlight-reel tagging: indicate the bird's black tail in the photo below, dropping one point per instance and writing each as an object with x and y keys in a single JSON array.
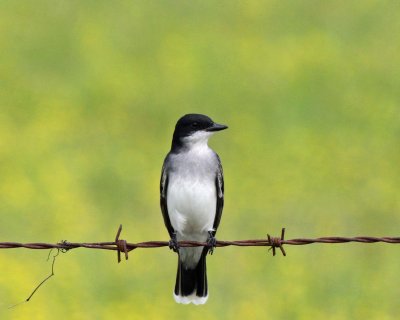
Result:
[{"x": 191, "y": 284}]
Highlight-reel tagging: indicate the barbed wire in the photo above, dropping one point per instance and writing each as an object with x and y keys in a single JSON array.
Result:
[{"x": 122, "y": 246}]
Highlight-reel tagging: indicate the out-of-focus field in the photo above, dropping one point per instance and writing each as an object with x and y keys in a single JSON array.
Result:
[{"x": 89, "y": 95}]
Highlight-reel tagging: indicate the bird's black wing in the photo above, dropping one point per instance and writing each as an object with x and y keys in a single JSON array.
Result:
[
  {"x": 163, "y": 198},
  {"x": 219, "y": 183}
]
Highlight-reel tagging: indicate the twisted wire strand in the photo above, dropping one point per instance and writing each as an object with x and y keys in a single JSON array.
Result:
[{"x": 122, "y": 245}]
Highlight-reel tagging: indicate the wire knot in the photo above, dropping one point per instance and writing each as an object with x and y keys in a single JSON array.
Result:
[
  {"x": 276, "y": 242},
  {"x": 64, "y": 243},
  {"x": 121, "y": 245}
]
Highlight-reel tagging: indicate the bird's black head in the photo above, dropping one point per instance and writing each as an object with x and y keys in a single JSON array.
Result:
[{"x": 193, "y": 127}]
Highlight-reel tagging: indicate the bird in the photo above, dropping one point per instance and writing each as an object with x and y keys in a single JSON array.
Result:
[{"x": 191, "y": 200}]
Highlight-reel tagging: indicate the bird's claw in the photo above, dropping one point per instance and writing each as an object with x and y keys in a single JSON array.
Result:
[
  {"x": 173, "y": 243},
  {"x": 211, "y": 241}
]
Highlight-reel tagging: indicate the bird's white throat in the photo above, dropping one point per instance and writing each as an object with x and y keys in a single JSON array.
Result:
[{"x": 197, "y": 140}]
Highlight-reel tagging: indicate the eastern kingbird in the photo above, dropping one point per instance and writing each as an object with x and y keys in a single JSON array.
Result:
[{"x": 192, "y": 198}]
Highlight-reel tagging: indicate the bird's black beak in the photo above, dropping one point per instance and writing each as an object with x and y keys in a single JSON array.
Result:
[{"x": 217, "y": 127}]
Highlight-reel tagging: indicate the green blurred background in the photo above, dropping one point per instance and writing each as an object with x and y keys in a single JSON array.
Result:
[{"x": 89, "y": 95}]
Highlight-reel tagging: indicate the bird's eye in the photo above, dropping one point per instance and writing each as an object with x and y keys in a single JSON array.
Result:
[{"x": 195, "y": 124}]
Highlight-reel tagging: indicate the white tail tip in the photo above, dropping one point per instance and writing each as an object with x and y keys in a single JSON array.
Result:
[{"x": 191, "y": 299}]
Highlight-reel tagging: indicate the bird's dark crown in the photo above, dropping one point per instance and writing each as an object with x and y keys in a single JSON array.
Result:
[{"x": 193, "y": 122}]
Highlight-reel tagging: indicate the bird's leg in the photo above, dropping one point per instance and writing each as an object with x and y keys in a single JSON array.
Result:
[
  {"x": 211, "y": 241},
  {"x": 173, "y": 243}
]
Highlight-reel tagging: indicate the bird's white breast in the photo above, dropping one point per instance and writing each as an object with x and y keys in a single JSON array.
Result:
[{"x": 191, "y": 195}]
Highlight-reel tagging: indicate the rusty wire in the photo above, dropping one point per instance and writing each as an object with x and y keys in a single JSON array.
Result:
[{"x": 120, "y": 245}]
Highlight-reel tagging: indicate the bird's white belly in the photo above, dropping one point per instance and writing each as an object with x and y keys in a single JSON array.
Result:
[{"x": 192, "y": 206}]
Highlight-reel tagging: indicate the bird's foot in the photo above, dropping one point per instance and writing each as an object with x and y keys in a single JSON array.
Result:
[
  {"x": 211, "y": 241},
  {"x": 173, "y": 243}
]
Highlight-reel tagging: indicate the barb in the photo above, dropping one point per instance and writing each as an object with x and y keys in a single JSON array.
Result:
[
  {"x": 277, "y": 243},
  {"x": 120, "y": 245}
]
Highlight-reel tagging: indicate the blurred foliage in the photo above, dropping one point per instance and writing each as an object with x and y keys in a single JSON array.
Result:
[{"x": 89, "y": 95}]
